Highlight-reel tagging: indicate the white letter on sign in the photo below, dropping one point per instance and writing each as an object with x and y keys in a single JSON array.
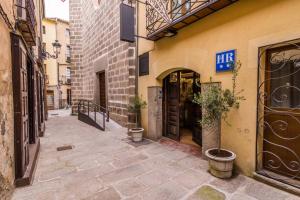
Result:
[
  {"x": 220, "y": 58},
  {"x": 229, "y": 57}
]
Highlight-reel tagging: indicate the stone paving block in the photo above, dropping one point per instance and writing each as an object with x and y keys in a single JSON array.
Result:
[
  {"x": 130, "y": 187},
  {"x": 207, "y": 193},
  {"x": 46, "y": 176},
  {"x": 156, "y": 150},
  {"x": 192, "y": 178},
  {"x": 239, "y": 196},
  {"x": 79, "y": 187},
  {"x": 168, "y": 191},
  {"x": 153, "y": 178},
  {"x": 156, "y": 162},
  {"x": 264, "y": 192},
  {"x": 134, "y": 198},
  {"x": 108, "y": 194},
  {"x": 129, "y": 160},
  {"x": 229, "y": 185},
  {"x": 123, "y": 173},
  {"x": 193, "y": 162},
  {"x": 37, "y": 189},
  {"x": 175, "y": 155},
  {"x": 173, "y": 169}
]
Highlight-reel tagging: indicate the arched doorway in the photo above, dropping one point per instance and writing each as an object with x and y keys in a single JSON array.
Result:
[{"x": 180, "y": 115}]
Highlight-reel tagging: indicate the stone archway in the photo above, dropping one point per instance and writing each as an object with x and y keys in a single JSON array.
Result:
[{"x": 156, "y": 115}]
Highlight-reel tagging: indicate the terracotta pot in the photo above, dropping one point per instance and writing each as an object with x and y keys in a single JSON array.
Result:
[
  {"x": 136, "y": 134},
  {"x": 220, "y": 163}
]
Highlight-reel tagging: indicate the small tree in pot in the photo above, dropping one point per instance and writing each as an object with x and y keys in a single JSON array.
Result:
[
  {"x": 216, "y": 104},
  {"x": 136, "y": 107}
]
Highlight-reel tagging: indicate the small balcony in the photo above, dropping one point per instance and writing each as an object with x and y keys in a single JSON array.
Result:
[
  {"x": 168, "y": 16},
  {"x": 27, "y": 21},
  {"x": 65, "y": 80}
]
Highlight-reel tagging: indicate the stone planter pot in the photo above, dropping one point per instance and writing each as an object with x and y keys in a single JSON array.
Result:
[
  {"x": 136, "y": 134},
  {"x": 220, "y": 164}
]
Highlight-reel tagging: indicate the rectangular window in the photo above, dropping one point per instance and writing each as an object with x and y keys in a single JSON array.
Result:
[
  {"x": 68, "y": 73},
  {"x": 67, "y": 32},
  {"x": 284, "y": 76},
  {"x": 68, "y": 54},
  {"x": 44, "y": 30},
  {"x": 144, "y": 64},
  {"x": 44, "y": 46}
]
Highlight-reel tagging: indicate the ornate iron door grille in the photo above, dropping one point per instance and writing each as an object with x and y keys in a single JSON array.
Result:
[{"x": 278, "y": 130}]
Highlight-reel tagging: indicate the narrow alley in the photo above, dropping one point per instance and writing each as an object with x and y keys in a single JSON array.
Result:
[{"x": 108, "y": 166}]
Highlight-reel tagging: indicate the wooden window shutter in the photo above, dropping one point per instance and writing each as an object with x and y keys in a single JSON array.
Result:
[{"x": 144, "y": 64}]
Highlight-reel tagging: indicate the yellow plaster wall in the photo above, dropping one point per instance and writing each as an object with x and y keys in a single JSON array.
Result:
[
  {"x": 244, "y": 26},
  {"x": 49, "y": 38}
]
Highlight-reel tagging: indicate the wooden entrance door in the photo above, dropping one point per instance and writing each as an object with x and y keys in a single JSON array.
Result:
[
  {"x": 171, "y": 105},
  {"x": 281, "y": 146},
  {"x": 197, "y": 114},
  {"x": 69, "y": 98},
  {"x": 50, "y": 99},
  {"x": 21, "y": 113},
  {"x": 102, "y": 88}
]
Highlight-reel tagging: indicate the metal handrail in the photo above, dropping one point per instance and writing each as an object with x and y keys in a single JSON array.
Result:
[{"x": 87, "y": 107}]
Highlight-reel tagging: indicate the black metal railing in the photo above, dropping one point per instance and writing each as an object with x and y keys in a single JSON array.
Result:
[
  {"x": 172, "y": 15},
  {"x": 93, "y": 114}
]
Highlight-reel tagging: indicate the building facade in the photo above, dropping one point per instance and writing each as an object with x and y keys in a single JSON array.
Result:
[
  {"x": 58, "y": 70},
  {"x": 21, "y": 91},
  {"x": 264, "y": 36},
  {"x": 103, "y": 67}
]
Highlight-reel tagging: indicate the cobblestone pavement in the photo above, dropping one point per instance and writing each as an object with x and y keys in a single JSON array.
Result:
[{"x": 106, "y": 166}]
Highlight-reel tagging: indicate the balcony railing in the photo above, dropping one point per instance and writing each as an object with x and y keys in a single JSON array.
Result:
[
  {"x": 165, "y": 16},
  {"x": 27, "y": 20}
]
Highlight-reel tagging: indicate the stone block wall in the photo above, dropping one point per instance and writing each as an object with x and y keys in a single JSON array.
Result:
[{"x": 95, "y": 34}]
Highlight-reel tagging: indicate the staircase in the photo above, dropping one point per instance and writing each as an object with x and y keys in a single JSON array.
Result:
[{"x": 93, "y": 114}]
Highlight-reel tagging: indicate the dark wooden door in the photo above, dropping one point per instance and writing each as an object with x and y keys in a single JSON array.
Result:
[
  {"x": 32, "y": 110},
  {"x": 69, "y": 96},
  {"x": 197, "y": 114},
  {"x": 21, "y": 114},
  {"x": 102, "y": 88},
  {"x": 281, "y": 144},
  {"x": 171, "y": 105},
  {"x": 50, "y": 99}
]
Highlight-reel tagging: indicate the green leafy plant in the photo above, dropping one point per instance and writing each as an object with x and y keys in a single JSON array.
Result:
[
  {"x": 217, "y": 102},
  {"x": 135, "y": 107}
]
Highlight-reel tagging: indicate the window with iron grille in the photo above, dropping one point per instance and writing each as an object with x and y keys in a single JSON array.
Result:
[{"x": 144, "y": 64}]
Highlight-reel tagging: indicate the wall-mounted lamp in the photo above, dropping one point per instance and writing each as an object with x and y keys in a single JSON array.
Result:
[
  {"x": 170, "y": 33},
  {"x": 56, "y": 50}
]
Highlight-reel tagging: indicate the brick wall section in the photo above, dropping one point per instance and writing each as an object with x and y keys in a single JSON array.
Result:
[{"x": 95, "y": 34}]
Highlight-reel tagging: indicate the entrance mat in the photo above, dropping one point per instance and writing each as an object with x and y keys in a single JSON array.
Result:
[
  {"x": 186, "y": 148},
  {"x": 137, "y": 144}
]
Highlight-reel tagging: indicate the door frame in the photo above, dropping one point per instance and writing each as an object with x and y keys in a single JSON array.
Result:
[
  {"x": 98, "y": 90},
  {"x": 164, "y": 104},
  {"x": 262, "y": 102}
]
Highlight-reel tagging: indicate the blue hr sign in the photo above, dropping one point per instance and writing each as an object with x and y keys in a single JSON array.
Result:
[{"x": 225, "y": 61}]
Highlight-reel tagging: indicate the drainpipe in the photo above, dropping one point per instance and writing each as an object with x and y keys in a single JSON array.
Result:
[{"x": 137, "y": 50}]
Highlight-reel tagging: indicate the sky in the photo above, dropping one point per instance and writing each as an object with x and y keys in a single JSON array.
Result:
[{"x": 57, "y": 8}]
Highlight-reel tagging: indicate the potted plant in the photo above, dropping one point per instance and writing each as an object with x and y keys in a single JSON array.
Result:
[
  {"x": 137, "y": 105},
  {"x": 216, "y": 104}
]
